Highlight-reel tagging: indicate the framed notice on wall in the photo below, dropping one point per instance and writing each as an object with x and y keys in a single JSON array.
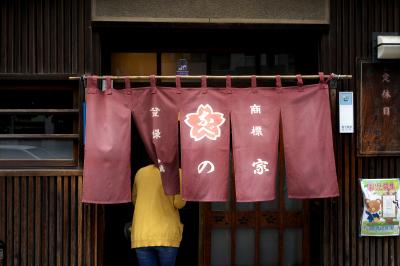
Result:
[{"x": 379, "y": 109}]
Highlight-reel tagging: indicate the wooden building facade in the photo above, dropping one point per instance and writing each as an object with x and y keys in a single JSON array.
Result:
[{"x": 42, "y": 42}]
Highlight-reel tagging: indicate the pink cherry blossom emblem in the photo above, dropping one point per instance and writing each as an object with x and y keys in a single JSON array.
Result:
[{"x": 205, "y": 123}]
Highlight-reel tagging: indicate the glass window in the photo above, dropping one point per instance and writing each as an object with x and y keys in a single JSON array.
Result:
[
  {"x": 39, "y": 123},
  {"x": 277, "y": 64},
  {"x": 269, "y": 247},
  {"x": 36, "y": 149},
  {"x": 233, "y": 64},
  {"x": 22, "y": 96},
  {"x": 220, "y": 206},
  {"x": 196, "y": 63},
  {"x": 221, "y": 247},
  {"x": 36, "y": 123},
  {"x": 134, "y": 64},
  {"x": 293, "y": 239},
  {"x": 245, "y": 206},
  {"x": 245, "y": 240}
]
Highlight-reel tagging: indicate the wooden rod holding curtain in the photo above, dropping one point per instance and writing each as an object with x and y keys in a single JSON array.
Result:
[{"x": 334, "y": 76}]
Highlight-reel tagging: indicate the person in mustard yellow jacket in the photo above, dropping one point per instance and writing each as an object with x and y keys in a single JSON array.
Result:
[{"x": 156, "y": 228}]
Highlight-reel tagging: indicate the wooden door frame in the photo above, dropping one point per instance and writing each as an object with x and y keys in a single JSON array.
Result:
[{"x": 278, "y": 219}]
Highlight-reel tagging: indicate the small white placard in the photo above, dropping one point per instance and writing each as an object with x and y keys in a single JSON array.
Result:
[
  {"x": 346, "y": 112},
  {"x": 389, "y": 208}
]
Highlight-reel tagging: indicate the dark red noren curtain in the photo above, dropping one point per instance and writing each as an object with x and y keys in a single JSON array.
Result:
[
  {"x": 307, "y": 137},
  {"x": 205, "y": 129},
  {"x": 204, "y": 124},
  {"x": 157, "y": 121},
  {"x": 106, "y": 174},
  {"x": 255, "y": 132}
]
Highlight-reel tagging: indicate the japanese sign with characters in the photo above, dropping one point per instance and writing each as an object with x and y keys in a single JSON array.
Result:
[
  {"x": 255, "y": 132},
  {"x": 379, "y": 112},
  {"x": 204, "y": 123},
  {"x": 156, "y": 119}
]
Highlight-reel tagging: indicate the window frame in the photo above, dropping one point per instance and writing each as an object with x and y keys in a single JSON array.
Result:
[{"x": 46, "y": 82}]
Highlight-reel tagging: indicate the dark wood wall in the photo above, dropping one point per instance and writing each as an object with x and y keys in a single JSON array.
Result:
[
  {"x": 349, "y": 38},
  {"x": 45, "y": 36},
  {"x": 42, "y": 220}
]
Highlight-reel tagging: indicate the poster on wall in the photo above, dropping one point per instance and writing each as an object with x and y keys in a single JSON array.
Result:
[
  {"x": 380, "y": 216},
  {"x": 379, "y": 109}
]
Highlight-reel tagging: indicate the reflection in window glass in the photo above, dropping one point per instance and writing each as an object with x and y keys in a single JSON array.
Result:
[
  {"x": 220, "y": 206},
  {"x": 233, "y": 64},
  {"x": 245, "y": 239},
  {"x": 221, "y": 247},
  {"x": 245, "y": 206},
  {"x": 269, "y": 244},
  {"x": 293, "y": 239},
  {"x": 36, "y": 149},
  {"x": 135, "y": 64},
  {"x": 36, "y": 124},
  {"x": 196, "y": 63},
  {"x": 277, "y": 64},
  {"x": 36, "y": 99}
]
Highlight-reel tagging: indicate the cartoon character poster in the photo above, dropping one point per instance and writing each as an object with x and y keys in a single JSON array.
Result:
[{"x": 381, "y": 214}]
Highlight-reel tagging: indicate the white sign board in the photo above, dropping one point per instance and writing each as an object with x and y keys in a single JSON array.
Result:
[{"x": 346, "y": 112}]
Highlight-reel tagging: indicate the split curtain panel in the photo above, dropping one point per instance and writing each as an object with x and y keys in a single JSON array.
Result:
[{"x": 207, "y": 115}]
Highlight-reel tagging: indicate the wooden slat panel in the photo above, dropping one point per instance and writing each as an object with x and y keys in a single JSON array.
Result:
[
  {"x": 94, "y": 236},
  {"x": 17, "y": 37},
  {"x": 350, "y": 37},
  {"x": 66, "y": 239},
  {"x": 23, "y": 20},
  {"x": 11, "y": 51},
  {"x": 88, "y": 234},
  {"x": 16, "y": 222},
  {"x": 397, "y": 174},
  {"x": 38, "y": 219},
  {"x": 73, "y": 254},
  {"x": 31, "y": 36},
  {"x": 52, "y": 221},
  {"x": 38, "y": 30},
  {"x": 45, "y": 220},
  {"x": 53, "y": 36},
  {"x": 257, "y": 239},
  {"x": 23, "y": 201},
  {"x": 43, "y": 36},
  {"x": 59, "y": 221},
  {"x": 59, "y": 41},
  {"x": 3, "y": 209},
  {"x": 41, "y": 221},
  {"x": 80, "y": 223},
  {"x": 10, "y": 220},
  {"x": 3, "y": 30},
  {"x": 31, "y": 210}
]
